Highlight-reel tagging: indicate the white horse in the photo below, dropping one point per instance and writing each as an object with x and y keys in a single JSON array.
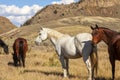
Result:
[{"x": 68, "y": 47}]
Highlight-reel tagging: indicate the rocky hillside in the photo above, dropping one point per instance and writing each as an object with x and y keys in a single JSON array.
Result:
[
  {"x": 5, "y": 25},
  {"x": 107, "y": 8}
]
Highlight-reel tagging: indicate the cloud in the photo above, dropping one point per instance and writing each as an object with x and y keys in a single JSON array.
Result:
[
  {"x": 63, "y": 2},
  {"x": 18, "y": 20},
  {"x": 18, "y": 15}
]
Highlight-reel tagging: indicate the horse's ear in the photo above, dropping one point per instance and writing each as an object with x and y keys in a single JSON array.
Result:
[
  {"x": 96, "y": 26},
  {"x": 41, "y": 28},
  {"x": 91, "y": 27}
]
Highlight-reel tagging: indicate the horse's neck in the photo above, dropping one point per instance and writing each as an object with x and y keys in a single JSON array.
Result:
[
  {"x": 108, "y": 35},
  {"x": 54, "y": 34}
]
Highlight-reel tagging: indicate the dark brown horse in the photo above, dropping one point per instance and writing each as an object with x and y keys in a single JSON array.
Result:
[
  {"x": 4, "y": 46},
  {"x": 112, "y": 39},
  {"x": 20, "y": 48}
]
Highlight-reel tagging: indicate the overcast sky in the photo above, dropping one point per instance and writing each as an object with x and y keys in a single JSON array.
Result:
[{"x": 18, "y": 11}]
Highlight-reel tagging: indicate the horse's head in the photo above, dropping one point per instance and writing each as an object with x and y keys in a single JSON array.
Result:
[
  {"x": 4, "y": 46},
  {"x": 97, "y": 34},
  {"x": 6, "y": 50},
  {"x": 42, "y": 36}
]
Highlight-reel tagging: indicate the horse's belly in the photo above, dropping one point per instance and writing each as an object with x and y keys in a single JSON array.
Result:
[
  {"x": 69, "y": 50},
  {"x": 71, "y": 55}
]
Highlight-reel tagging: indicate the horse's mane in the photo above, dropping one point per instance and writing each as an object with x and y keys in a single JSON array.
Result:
[
  {"x": 110, "y": 33},
  {"x": 115, "y": 36},
  {"x": 54, "y": 33},
  {"x": 107, "y": 29}
]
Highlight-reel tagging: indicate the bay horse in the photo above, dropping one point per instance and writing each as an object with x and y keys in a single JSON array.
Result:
[
  {"x": 68, "y": 47},
  {"x": 4, "y": 46},
  {"x": 112, "y": 39},
  {"x": 20, "y": 48}
]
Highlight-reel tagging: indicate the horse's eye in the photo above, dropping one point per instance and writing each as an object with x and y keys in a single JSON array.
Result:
[{"x": 94, "y": 33}]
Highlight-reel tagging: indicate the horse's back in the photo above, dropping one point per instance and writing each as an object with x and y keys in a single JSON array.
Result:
[
  {"x": 84, "y": 36},
  {"x": 73, "y": 47},
  {"x": 17, "y": 44}
]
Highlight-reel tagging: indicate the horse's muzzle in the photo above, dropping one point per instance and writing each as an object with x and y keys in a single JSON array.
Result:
[
  {"x": 94, "y": 44},
  {"x": 37, "y": 43}
]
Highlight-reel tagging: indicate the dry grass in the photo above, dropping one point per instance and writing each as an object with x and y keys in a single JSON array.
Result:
[{"x": 42, "y": 62}]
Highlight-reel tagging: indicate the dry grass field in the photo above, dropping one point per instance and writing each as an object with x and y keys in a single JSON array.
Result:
[{"x": 42, "y": 62}]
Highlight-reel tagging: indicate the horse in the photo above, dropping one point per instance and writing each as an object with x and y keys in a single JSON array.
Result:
[
  {"x": 20, "y": 48},
  {"x": 4, "y": 46},
  {"x": 112, "y": 39},
  {"x": 71, "y": 47}
]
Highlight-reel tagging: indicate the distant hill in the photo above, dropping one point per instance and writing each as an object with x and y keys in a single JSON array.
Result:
[
  {"x": 107, "y": 8},
  {"x": 5, "y": 25}
]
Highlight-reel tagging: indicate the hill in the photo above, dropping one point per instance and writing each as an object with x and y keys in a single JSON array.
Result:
[
  {"x": 107, "y": 8},
  {"x": 5, "y": 25}
]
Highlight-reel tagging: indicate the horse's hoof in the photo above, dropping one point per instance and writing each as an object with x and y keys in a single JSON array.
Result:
[
  {"x": 66, "y": 77},
  {"x": 91, "y": 79}
]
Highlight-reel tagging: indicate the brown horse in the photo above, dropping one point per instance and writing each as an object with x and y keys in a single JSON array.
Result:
[
  {"x": 20, "y": 48},
  {"x": 112, "y": 39}
]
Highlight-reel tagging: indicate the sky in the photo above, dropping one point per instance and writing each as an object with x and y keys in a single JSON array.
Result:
[{"x": 18, "y": 11}]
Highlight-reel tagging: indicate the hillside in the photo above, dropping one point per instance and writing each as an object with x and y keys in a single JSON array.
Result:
[
  {"x": 5, "y": 25},
  {"x": 105, "y": 8}
]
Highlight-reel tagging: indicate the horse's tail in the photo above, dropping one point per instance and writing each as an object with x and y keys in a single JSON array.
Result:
[
  {"x": 94, "y": 59},
  {"x": 21, "y": 48}
]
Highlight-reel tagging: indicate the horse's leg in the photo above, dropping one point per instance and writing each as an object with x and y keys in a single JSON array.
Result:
[
  {"x": 63, "y": 63},
  {"x": 94, "y": 60},
  {"x": 61, "y": 58},
  {"x": 19, "y": 60},
  {"x": 86, "y": 54},
  {"x": 23, "y": 60},
  {"x": 92, "y": 64},
  {"x": 67, "y": 65},
  {"x": 112, "y": 61},
  {"x": 88, "y": 64}
]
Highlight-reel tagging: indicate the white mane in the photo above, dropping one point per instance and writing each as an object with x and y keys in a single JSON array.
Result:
[{"x": 53, "y": 33}]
